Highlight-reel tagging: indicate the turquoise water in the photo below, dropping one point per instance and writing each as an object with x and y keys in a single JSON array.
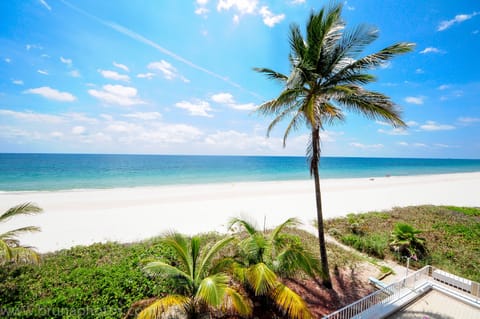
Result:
[{"x": 28, "y": 172}]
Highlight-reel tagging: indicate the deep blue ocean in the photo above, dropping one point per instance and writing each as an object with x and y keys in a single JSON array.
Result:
[{"x": 29, "y": 172}]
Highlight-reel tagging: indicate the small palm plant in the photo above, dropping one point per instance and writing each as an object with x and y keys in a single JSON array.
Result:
[
  {"x": 201, "y": 287},
  {"x": 263, "y": 259},
  {"x": 404, "y": 240},
  {"x": 11, "y": 250}
]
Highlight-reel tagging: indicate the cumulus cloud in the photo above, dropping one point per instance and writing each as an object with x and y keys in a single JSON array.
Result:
[
  {"x": 147, "y": 75},
  {"x": 146, "y": 116},
  {"x": 431, "y": 50},
  {"x": 459, "y": 18},
  {"x": 169, "y": 71},
  {"x": 433, "y": 126},
  {"x": 468, "y": 120},
  {"x": 121, "y": 66},
  {"x": 52, "y": 94},
  {"x": 269, "y": 18},
  {"x": 17, "y": 82},
  {"x": 366, "y": 146},
  {"x": 74, "y": 73},
  {"x": 299, "y": 1},
  {"x": 196, "y": 108},
  {"x": 32, "y": 116},
  {"x": 228, "y": 100},
  {"x": 44, "y": 72},
  {"x": 78, "y": 130},
  {"x": 443, "y": 87},
  {"x": 394, "y": 131},
  {"x": 117, "y": 94},
  {"x": 113, "y": 75},
  {"x": 414, "y": 100},
  {"x": 242, "y": 6},
  {"x": 66, "y": 61}
]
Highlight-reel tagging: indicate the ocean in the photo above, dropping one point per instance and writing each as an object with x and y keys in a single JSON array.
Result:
[{"x": 47, "y": 172}]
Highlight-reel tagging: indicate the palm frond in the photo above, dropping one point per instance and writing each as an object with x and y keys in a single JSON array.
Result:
[
  {"x": 249, "y": 227},
  {"x": 24, "y": 254},
  {"x": 234, "y": 302},
  {"x": 12, "y": 234},
  {"x": 292, "y": 126},
  {"x": 212, "y": 252},
  {"x": 162, "y": 268},
  {"x": 157, "y": 309},
  {"x": 271, "y": 74},
  {"x": 22, "y": 209},
  {"x": 291, "y": 222},
  {"x": 211, "y": 290},
  {"x": 290, "y": 303},
  {"x": 5, "y": 251},
  {"x": 180, "y": 245},
  {"x": 261, "y": 279}
]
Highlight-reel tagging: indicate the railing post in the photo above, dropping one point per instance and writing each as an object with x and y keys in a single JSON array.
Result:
[{"x": 475, "y": 289}]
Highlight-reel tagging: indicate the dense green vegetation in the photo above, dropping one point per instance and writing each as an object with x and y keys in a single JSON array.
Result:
[
  {"x": 451, "y": 235},
  {"x": 102, "y": 280}
]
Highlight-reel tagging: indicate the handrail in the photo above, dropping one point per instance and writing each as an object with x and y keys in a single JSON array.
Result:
[{"x": 365, "y": 306}]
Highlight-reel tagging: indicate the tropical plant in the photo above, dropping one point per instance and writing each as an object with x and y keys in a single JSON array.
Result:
[
  {"x": 326, "y": 78},
  {"x": 201, "y": 287},
  {"x": 405, "y": 241},
  {"x": 11, "y": 250},
  {"x": 264, "y": 258}
]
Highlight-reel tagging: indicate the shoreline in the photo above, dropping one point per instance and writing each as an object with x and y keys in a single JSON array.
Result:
[{"x": 82, "y": 217}]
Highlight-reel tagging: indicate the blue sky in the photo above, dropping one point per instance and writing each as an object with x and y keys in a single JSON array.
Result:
[{"x": 175, "y": 77}]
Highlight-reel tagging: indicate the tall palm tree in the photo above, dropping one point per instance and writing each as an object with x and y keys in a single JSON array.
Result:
[
  {"x": 264, "y": 258},
  {"x": 326, "y": 78},
  {"x": 200, "y": 285},
  {"x": 11, "y": 249}
]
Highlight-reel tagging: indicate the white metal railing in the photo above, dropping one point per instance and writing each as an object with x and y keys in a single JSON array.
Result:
[{"x": 370, "y": 305}]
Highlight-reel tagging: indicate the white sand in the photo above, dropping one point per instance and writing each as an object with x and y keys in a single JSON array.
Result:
[{"x": 86, "y": 216}]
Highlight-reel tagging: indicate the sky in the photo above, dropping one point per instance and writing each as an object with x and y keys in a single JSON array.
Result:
[{"x": 176, "y": 77}]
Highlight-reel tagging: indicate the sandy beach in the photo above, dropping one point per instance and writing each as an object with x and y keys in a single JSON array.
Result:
[{"x": 82, "y": 217}]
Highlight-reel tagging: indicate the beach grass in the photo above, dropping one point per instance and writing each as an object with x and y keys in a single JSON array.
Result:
[{"x": 452, "y": 235}]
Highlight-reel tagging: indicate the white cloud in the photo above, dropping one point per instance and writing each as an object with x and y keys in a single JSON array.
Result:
[
  {"x": 431, "y": 50},
  {"x": 228, "y": 100},
  {"x": 366, "y": 146},
  {"x": 382, "y": 123},
  {"x": 236, "y": 19},
  {"x": 33, "y": 46},
  {"x": 412, "y": 123},
  {"x": 419, "y": 71},
  {"x": 117, "y": 94},
  {"x": 419, "y": 145},
  {"x": 433, "y": 126},
  {"x": 225, "y": 98},
  {"x": 45, "y": 4},
  {"x": 121, "y": 66},
  {"x": 394, "y": 131},
  {"x": 242, "y": 6},
  {"x": 113, "y": 75},
  {"x": 300, "y": 1},
  {"x": 52, "y": 94},
  {"x": 459, "y": 18},
  {"x": 468, "y": 120},
  {"x": 169, "y": 72},
  {"x": 74, "y": 73},
  {"x": 66, "y": 61},
  {"x": 443, "y": 87},
  {"x": 17, "y": 82},
  {"x": 8, "y": 60},
  {"x": 148, "y": 75},
  {"x": 56, "y": 134},
  {"x": 402, "y": 143},
  {"x": 202, "y": 2},
  {"x": 201, "y": 11},
  {"x": 196, "y": 108},
  {"x": 44, "y": 72},
  {"x": 146, "y": 116},
  {"x": 78, "y": 130},
  {"x": 269, "y": 18},
  {"x": 414, "y": 100},
  {"x": 33, "y": 117}
]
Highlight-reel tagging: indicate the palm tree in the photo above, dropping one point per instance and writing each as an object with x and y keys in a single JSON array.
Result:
[
  {"x": 265, "y": 258},
  {"x": 10, "y": 248},
  {"x": 326, "y": 79},
  {"x": 404, "y": 239},
  {"x": 200, "y": 285}
]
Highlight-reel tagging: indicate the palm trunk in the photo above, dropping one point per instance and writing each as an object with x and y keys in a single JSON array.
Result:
[{"x": 318, "y": 196}]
